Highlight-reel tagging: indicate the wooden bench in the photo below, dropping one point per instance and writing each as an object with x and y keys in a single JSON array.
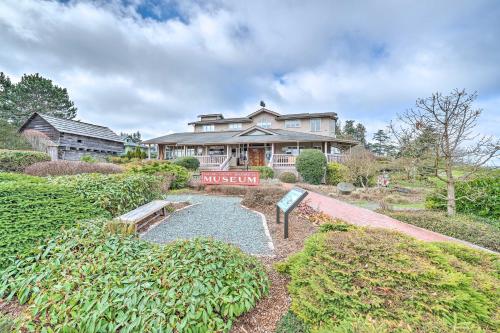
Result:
[{"x": 145, "y": 214}]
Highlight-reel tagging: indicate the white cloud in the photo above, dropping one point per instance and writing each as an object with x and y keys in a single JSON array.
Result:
[{"x": 364, "y": 62}]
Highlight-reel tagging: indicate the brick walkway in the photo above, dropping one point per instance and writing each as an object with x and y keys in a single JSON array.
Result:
[{"x": 367, "y": 218}]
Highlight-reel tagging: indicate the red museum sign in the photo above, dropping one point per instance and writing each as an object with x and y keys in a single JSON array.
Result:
[{"x": 248, "y": 178}]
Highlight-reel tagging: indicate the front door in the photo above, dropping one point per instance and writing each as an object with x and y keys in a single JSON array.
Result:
[{"x": 256, "y": 156}]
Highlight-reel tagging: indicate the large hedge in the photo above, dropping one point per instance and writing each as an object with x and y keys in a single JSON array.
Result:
[
  {"x": 18, "y": 160},
  {"x": 32, "y": 209},
  {"x": 85, "y": 280},
  {"x": 374, "y": 280},
  {"x": 117, "y": 193},
  {"x": 479, "y": 196},
  {"x": 179, "y": 174},
  {"x": 311, "y": 165}
]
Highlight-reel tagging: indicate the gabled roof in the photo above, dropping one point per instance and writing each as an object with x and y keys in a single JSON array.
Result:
[
  {"x": 255, "y": 128},
  {"x": 77, "y": 127},
  {"x": 221, "y": 121},
  {"x": 331, "y": 115},
  {"x": 259, "y": 111}
]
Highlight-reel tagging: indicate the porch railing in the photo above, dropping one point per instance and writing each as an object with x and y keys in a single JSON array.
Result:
[
  {"x": 225, "y": 165},
  {"x": 339, "y": 158},
  {"x": 211, "y": 160},
  {"x": 283, "y": 160}
]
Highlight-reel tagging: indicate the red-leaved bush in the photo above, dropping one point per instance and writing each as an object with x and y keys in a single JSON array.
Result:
[{"x": 62, "y": 168}]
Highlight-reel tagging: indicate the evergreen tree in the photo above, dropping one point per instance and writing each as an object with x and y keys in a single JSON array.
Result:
[
  {"x": 349, "y": 131},
  {"x": 34, "y": 94},
  {"x": 4, "y": 83},
  {"x": 360, "y": 134},
  {"x": 382, "y": 144}
]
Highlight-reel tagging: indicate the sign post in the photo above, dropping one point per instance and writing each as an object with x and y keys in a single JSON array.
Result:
[{"x": 287, "y": 204}]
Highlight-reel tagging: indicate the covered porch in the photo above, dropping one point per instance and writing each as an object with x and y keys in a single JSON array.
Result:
[{"x": 277, "y": 155}]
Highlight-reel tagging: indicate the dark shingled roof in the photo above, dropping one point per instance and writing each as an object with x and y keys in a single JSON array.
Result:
[
  {"x": 233, "y": 137},
  {"x": 81, "y": 128}
]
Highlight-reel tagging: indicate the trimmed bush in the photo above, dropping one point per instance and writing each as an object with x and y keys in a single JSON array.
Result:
[
  {"x": 64, "y": 168},
  {"x": 117, "y": 194},
  {"x": 288, "y": 177},
  {"x": 375, "y": 280},
  {"x": 188, "y": 162},
  {"x": 18, "y": 160},
  {"x": 86, "y": 280},
  {"x": 459, "y": 226},
  {"x": 311, "y": 165},
  {"x": 336, "y": 173},
  {"x": 479, "y": 196},
  {"x": 265, "y": 172},
  {"x": 180, "y": 175},
  {"x": 31, "y": 210}
]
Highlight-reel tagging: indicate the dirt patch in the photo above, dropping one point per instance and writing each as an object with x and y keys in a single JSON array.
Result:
[
  {"x": 12, "y": 309},
  {"x": 266, "y": 315}
]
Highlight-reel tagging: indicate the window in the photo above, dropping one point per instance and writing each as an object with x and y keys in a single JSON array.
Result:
[
  {"x": 292, "y": 150},
  {"x": 79, "y": 141},
  {"x": 295, "y": 123},
  {"x": 264, "y": 123},
  {"x": 315, "y": 125},
  {"x": 235, "y": 126},
  {"x": 208, "y": 128}
]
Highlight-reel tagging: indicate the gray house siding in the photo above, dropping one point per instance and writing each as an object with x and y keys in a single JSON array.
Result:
[{"x": 41, "y": 125}]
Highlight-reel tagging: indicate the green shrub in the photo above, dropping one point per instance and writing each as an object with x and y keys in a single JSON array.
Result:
[
  {"x": 32, "y": 210},
  {"x": 86, "y": 280},
  {"x": 88, "y": 159},
  {"x": 289, "y": 323},
  {"x": 11, "y": 139},
  {"x": 137, "y": 153},
  {"x": 382, "y": 281},
  {"x": 118, "y": 193},
  {"x": 479, "y": 196},
  {"x": 265, "y": 172},
  {"x": 180, "y": 174},
  {"x": 311, "y": 165},
  {"x": 18, "y": 160},
  {"x": 288, "y": 177},
  {"x": 459, "y": 226},
  {"x": 188, "y": 162},
  {"x": 335, "y": 173}
]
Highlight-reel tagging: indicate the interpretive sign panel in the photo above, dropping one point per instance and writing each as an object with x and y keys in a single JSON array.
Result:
[
  {"x": 288, "y": 203},
  {"x": 248, "y": 178}
]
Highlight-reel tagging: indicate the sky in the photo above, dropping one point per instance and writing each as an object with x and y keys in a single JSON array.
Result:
[{"x": 154, "y": 65}]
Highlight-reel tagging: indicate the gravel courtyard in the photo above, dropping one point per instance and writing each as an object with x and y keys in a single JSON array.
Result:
[{"x": 220, "y": 217}]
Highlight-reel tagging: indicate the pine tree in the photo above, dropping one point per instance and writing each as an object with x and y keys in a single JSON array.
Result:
[
  {"x": 360, "y": 133},
  {"x": 382, "y": 144},
  {"x": 349, "y": 130},
  {"x": 35, "y": 94}
]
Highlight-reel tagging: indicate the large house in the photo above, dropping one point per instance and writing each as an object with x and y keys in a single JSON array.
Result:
[
  {"x": 71, "y": 139},
  {"x": 263, "y": 138}
]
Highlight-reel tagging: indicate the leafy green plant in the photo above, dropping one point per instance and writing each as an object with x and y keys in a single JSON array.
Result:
[
  {"x": 289, "y": 323},
  {"x": 32, "y": 210},
  {"x": 10, "y": 138},
  {"x": 188, "y": 162},
  {"x": 18, "y": 160},
  {"x": 481, "y": 232},
  {"x": 376, "y": 280},
  {"x": 265, "y": 172},
  {"x": 86, "y": 280},
  {"x": 288, "y": 177},
  {"x": 180, "y": 174},
  {"x": 479, "y": 196},
  {"x": 88, "y": 159},
  {"x": 311, "y": 165},
  {"x": 136, "y": 153},
  {"x": 334, "y": 227},
  {"x": 116, "y": 193},
  {"x": 335, "y": 173}
]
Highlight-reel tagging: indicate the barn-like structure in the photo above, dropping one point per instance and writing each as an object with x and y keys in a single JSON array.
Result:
[{"x": 71, "y": 139}]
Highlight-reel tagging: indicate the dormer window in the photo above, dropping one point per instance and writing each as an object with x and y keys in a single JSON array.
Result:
[
  {"x": 264, "y": 122},
  {"x": 209, "y": 128},
  {"x": 235, "y": 126}
]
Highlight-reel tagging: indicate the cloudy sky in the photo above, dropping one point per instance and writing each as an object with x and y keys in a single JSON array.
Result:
[{"x": 153, "y": 65}]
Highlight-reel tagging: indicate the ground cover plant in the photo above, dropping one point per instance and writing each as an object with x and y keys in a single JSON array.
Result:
[
  {"x": 311, "y": 165},
  {"x": 374, "y": 280},
  {"x": 86, "y": 280},
  {"x": 117, "y": 194},
  {"x": 31, "y": 209},
  {"x": 180, "y": 175},
  {"x": 18, "y": 160},
  {"x": 464, "y": 227},
  {"x": 62, "y": 168}
]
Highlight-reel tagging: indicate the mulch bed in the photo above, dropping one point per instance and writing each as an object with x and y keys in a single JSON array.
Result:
[{"x": 265, "y": 316}]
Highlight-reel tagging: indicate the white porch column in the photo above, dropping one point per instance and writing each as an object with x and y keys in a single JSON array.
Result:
[
  {"x": 185, "y": 150},
  {"x": 326, "y": 147},
  {"x": 227, "y": 151},
  {"x": 206, "y": 150},
  {"x": 149, "y": 151},
  {"x": 298, "y": 148},
  {"x": 272, "y": 148}
]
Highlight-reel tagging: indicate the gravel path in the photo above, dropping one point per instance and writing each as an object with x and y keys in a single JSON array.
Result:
[{"x": 220, "y": 217}]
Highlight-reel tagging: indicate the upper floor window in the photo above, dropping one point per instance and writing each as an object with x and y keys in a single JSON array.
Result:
[
  {"x": 315, "y": 125},
  {"x": 235, "y": 126},
  {"x": 209, "y": 128},
  {"x": 294, "y": 123},
  {"x": 264, "y": 122}
]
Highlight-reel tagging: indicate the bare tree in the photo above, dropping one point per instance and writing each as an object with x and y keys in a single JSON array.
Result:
[
  {"x": 450, "y": 122},
  {"x": 360, "y": 165}
]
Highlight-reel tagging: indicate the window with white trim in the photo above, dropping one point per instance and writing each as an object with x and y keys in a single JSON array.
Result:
[
  {"x": 235, "y": 126},
  {"x": 264, "y": 122},
  {"x": 292, "y": 123},
  {"x": 209, "y": 128},
  {"x": 315, "y": 124}
]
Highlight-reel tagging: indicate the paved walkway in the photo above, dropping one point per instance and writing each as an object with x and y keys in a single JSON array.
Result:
[{"x": 367, "y": 218}]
